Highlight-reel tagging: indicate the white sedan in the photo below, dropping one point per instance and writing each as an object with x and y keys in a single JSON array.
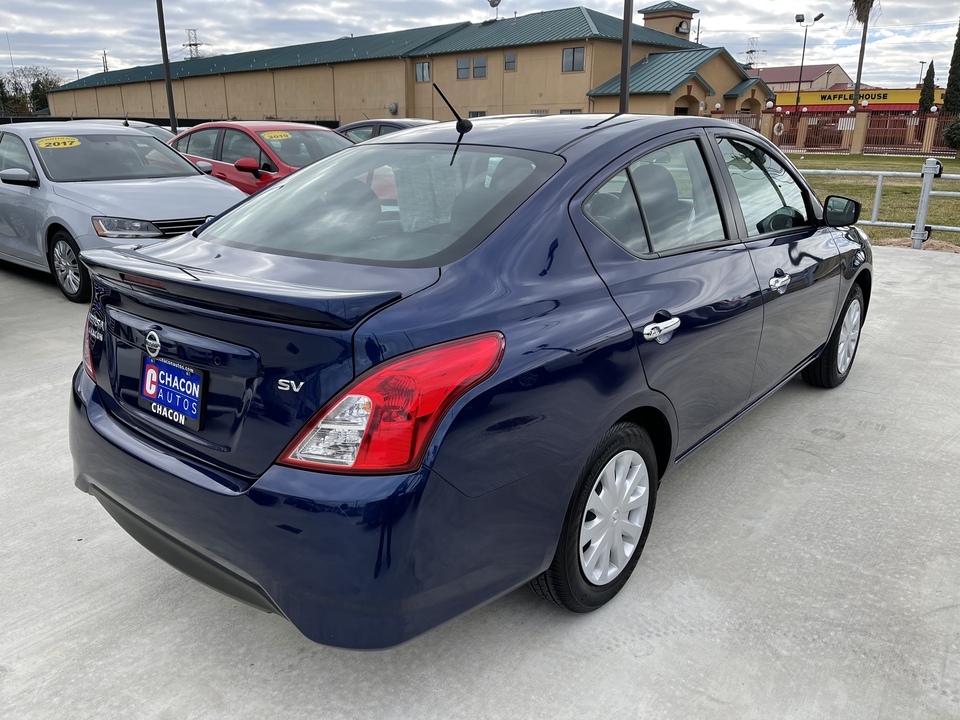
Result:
[{"x": 69, "y": 187}]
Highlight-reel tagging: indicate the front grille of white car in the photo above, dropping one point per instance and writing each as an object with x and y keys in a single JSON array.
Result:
[{"x": 172, "y": 228}]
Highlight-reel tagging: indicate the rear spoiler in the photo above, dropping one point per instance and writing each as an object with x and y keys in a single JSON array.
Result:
[{"x": 250, "y": 297}]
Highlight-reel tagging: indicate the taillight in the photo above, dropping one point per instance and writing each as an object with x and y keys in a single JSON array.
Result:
[
  {"x": 87, "y": 355},
  {"x": 383, "y": 422}
]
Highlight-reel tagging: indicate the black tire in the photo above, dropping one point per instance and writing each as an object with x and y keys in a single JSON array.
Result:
[
  {"x": 826, "y": 370},
  {"x": 565, "y": 582},
  {"x": 68, "y": 272}
]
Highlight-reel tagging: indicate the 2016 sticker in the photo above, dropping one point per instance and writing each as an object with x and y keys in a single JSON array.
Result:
[
  {"x": 276, "y": 135},
  {"x": 57, "y": 142}
]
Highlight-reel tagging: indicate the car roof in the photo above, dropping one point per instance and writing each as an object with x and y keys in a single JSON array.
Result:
[
  {"x": 549, "y": 133},
  {"x": 115, "y": 121},
  {"x": 46, "y": 129},
  {"x": 257, "y": 125},
  {"x": 404, "y": 122}
]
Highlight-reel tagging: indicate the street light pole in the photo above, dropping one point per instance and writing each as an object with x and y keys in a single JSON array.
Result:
[
  {"x": 920, "y": 81},
  {"x": 800, "y": 18}
]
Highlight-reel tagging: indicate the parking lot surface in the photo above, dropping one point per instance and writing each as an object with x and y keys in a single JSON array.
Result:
[{"x": 804, "y": 564}]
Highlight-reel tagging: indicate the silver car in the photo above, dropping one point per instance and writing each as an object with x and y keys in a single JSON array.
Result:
[{"x": 68, "y": 187}]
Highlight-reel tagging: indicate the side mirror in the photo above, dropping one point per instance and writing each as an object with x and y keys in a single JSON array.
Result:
[
  {"x": 248, "y": 165},
  {"x": 840, "y": 211},
  {"x": 18, "y": 176},
  {"x": 204, "y": 167}
]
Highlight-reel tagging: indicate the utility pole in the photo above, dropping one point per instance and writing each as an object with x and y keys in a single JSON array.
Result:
[
  {"x": 104, "y": 57},
  {"x": 626, "y": 45},
  {"x": 166, "y": 66}
]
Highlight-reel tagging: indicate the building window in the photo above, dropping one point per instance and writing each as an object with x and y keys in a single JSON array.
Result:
[
  {"x": 423, "y": 72},
  {"x": 480, "y": 66},
  {"x": 510, "y": 62},
  {"x": 573, "y": 59},
  {"x": 539, "y": 112},
  {"x": 463, "y": 68},
  {"x": 571, "y": 111},
  {"x": 478, "y": 113}
]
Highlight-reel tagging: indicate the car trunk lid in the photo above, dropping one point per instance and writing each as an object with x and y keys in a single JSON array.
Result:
[{"x": 226, "y": 368}]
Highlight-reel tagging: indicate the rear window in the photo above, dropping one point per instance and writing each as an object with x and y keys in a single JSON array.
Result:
[
  {"x": 299, "y": 148},
  {"x": 400, "y": 205}
]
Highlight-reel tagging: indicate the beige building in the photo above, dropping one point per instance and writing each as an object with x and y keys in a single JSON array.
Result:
[
  {"x": 560, "y": 61},
  {"x": 815, "y": 77}
]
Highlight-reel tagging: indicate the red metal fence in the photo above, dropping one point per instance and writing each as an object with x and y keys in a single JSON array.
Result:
[
  {"x": 827, "y": 132},
  {"x": 940, "y": 149},
  {"x": 894, "y": 133}
]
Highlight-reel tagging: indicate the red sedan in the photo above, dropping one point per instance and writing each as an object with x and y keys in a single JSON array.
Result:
[{"x": 252, "y": 154}]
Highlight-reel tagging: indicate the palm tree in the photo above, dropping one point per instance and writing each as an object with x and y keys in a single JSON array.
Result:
[{"x": 860, "y": 10}]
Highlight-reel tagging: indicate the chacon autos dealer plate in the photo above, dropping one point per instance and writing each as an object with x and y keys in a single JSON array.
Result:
[{"x": 172, "y": 390}]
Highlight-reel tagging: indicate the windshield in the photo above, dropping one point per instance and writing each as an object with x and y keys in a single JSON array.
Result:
[
  {"x": 76, "y": 157},
  {"x": 401, "y": 205},
  {"x": 299, "y": 148}
]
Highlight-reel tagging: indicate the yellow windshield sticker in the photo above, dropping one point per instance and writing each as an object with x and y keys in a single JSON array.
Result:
[
  {"x": 57, "y": 142},
  {"x": 275, "y": 135}
]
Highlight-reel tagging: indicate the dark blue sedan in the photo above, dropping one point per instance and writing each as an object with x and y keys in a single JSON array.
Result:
[{"x": 432, "y": 368}]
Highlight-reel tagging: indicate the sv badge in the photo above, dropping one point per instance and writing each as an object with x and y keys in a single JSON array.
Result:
[{"x": 284, "y": 384}]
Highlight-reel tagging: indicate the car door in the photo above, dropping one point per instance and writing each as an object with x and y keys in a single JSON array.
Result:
[
  {"x": 238, "y": 145},
  {"x": 660, "y": 238},
  {"x": 797, "y": 261},
  {"x": 199, "y": 145},
  {"x": 19, "y": 205}
]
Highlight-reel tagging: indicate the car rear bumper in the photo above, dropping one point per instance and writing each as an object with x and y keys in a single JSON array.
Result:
[{"x": 358, "y": 562}]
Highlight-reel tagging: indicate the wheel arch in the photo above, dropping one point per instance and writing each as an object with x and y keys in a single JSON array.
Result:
[
  {"x": 865, "y": 280},
  {"x": 658, "y": 427},
  {"x": 52, "y": 229}
]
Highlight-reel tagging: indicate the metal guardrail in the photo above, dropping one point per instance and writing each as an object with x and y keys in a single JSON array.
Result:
[{"x": 919, "y": 231}]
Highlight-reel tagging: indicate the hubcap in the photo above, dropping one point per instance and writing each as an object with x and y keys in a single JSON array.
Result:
[
  {"x": 849, "y": 336},
  {"x": 613, "y": 520},
  {"x": 66, "y": 267}
]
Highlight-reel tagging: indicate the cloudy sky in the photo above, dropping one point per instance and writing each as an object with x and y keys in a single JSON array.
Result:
[{"x": 68, "y": 36}]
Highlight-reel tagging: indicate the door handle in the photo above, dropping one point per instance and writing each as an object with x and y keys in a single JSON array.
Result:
[
  {"x": 654, "y": 331},
  {"x": 779, "y": 281}
]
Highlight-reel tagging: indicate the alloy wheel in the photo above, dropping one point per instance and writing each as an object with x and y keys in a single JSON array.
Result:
[
  {"x": 66, "y": 266},
  {"x": 849, "y": 337}
]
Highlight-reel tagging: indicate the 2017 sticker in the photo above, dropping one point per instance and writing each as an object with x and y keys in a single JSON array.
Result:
[
  {"x": 276, "y": 135},
  {"x": 57, "y": 142}
]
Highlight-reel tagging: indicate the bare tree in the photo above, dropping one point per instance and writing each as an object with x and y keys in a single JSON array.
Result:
[{"x": 27, "y": 88}]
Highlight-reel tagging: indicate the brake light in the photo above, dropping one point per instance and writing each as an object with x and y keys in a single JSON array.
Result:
[
  {"x": 384, "y": 421},
  {"x": 87, "y": 354}
]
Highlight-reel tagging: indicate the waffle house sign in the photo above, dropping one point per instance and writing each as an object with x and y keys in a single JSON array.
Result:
[{"x": 877, "y": 99}]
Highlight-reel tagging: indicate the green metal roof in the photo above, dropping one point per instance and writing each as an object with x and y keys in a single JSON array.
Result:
[
  {"x": 661, "y": 73},
  {"x": 738, "y": 90},
  {"x": 576, "y": 23},
  {"x": 401, "y": 43},
  {"x": 669, "y": 5}
]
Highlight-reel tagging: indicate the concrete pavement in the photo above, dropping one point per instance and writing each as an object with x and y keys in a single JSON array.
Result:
[{"x": 805, "y": 564}]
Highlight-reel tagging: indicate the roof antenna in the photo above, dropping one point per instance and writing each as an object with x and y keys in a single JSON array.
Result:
[{"x": 463, "y": 126}]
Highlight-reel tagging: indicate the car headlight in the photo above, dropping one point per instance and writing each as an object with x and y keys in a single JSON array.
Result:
[{"x": 124, "y": 228}]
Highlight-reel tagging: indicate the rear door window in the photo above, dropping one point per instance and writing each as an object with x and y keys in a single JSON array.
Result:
[
  {"x": 664, "y": 201},
  {"x": 201, "y": 143}
]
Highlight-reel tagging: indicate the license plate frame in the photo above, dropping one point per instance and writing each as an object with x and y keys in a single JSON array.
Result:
[{"x": 173, "y": 391}]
